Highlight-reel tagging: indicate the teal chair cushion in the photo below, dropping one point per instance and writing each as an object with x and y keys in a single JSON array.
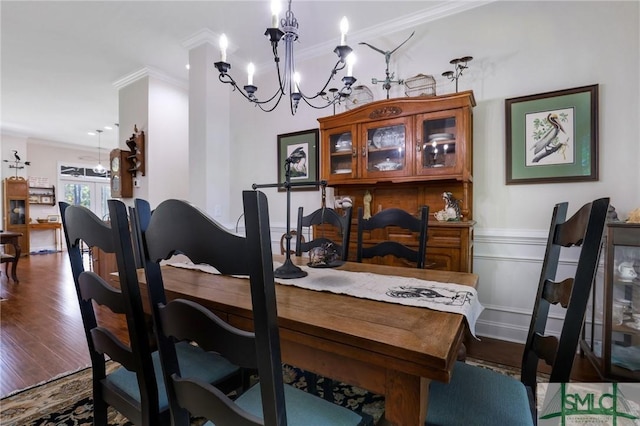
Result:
[
  {"x": 477, "y": 397},
  {"x": 303, "y": 408},
  {"x": 194, "y": 362}
]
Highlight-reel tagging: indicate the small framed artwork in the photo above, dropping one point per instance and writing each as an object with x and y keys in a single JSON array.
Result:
[
  {"x": 45, "y": 199},
  {"x": 552, "y": 137},
  {"x": 34, "y": 198},
  {"x": 53, "y": 218},
  {"x": 300, "y": 151}
]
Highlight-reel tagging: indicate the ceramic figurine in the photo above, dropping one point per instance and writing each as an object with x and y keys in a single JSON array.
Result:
[
  {"x": 367, "y": 205},
  {"x": 451, "y": 211}
]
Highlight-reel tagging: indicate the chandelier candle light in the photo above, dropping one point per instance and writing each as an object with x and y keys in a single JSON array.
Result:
[{"x": 286, "y": 29}]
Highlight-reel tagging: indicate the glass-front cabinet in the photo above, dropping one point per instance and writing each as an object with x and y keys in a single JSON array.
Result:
[
  {"x": 614, "y": 345},
  {"x": 16, "y": 211},
  {"x": 341, "y": 153},
  {"x": 440, "y": 147},
  {"x": 406, "y": 153},
  {"x": 384, "y": 152}
]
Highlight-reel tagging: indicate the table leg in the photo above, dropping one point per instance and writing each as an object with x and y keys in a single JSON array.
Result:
[
  {"x": 14, "y": 264},
  {"x": 406, "y": 399}
]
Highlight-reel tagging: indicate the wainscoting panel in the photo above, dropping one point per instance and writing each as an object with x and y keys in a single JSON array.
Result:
[{"x": 508, "y": 263}]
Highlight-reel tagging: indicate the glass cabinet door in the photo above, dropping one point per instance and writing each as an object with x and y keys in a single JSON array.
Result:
[
  {"x": 341, "y": 154},
  {"x": 439, "y": 144},
  {"x": 17, "y": 214},
  {"x": 385, "y": 153}
]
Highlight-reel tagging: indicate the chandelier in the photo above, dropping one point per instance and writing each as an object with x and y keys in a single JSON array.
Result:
[
  {"x": 99, "y": 168},
  {"x": 286, "y": 29}
]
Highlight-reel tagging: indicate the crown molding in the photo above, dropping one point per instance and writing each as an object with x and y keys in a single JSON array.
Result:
[{"x": 149, "y": 72}]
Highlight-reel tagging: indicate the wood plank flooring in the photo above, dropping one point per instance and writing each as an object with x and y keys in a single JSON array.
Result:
[{"x": 41, "y": 333}]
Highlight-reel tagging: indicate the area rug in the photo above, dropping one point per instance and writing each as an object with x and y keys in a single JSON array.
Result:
[{"x": 67, "y": 400}]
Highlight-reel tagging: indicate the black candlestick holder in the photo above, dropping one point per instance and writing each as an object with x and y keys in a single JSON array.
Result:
[
  {"x": 459, "y": 65},
  {"x": 288, "y": 270}
]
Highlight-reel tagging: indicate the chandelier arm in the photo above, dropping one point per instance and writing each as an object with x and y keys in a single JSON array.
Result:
[
  {"x": 332, "y": 75},
  {"x": 267, "y": 109},
  {"x": 343, "y": 93}
]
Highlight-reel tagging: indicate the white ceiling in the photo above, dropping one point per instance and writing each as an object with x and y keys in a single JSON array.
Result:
[{"x": 60, "y": 59}]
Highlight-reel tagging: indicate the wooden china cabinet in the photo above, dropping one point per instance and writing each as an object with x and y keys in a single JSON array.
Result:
[
  {"x": 406, "y": 153},
  {"x": 16, "y": 211}
]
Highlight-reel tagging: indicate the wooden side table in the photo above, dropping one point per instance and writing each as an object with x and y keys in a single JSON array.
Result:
[
  {"x": 56, "y": 227},
  {"x": 13, "y": 238}
]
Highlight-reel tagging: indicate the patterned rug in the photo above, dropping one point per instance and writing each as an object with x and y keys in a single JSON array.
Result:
[{"x": 67, "y": 400}]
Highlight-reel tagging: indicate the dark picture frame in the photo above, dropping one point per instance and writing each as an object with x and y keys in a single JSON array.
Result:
[
  {"x": 304, "y": 145},
  {"x": 552, "y": 137}
]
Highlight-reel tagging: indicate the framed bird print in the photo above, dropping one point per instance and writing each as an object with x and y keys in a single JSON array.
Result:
[
  {"x": 552, "y": 137},
  {"x": 299, "y": 153}
]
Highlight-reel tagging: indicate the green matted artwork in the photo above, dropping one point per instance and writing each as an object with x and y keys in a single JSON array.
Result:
[
  {"x": 302, "y": 147},
  {"x": 552, "y": 137}
]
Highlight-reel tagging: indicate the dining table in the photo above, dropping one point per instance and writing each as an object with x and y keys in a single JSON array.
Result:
[{"x": 390, "y": 349}]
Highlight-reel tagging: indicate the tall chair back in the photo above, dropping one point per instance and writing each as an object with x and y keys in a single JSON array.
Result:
[
  {"x": 399, "y": 218},
  {"x": 324, "y": 216},
  {"x": 483, "y": 397},
  {"x": 584, "y": 230},
  {"x": 176, "y": 226},
  {"x": 131, "y": 389}
]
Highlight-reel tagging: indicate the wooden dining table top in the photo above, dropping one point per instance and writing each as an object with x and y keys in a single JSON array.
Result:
[{"x": 387, "y": 348}]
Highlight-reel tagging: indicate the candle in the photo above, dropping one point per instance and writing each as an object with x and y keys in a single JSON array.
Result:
[
  {"x": 251, "y": 69},
  {"x": 223, "y": 48},
  {"x": 296, "y": 80},
  {"x": 351, "y": 59},
  {"x": 344, "y": 27},
  {"x": 275, "y": 11}
]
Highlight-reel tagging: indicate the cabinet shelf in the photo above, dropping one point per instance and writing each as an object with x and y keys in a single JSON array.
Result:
[{"x": 42, "y": 195}]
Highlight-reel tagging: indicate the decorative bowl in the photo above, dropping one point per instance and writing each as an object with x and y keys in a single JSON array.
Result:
[
  {"x": 387, "y": 165},
  {"x": 42, "y": 220}
]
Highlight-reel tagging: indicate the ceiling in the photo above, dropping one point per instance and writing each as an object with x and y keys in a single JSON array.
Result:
[{"x": 60, "y": 59}]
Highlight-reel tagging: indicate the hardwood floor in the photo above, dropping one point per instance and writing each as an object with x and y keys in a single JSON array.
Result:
[{"x": 41, "y": 333}]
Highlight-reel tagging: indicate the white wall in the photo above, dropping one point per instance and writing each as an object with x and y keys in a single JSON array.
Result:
[
  {"x": 158, "y": 106},
  {"x": 520, "y": 48}
]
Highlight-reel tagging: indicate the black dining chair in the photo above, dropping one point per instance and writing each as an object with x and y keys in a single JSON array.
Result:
[
  {"x": 476, "y": 396},
  {"x": 389, "y": 219},
  {"x": 322, "y": 217},
  {"x": 135, "y": 388},
  {"x": 177, "y": 226}
]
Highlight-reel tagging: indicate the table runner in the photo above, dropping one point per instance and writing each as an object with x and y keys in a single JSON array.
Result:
[{"x": 447, "y": 297}]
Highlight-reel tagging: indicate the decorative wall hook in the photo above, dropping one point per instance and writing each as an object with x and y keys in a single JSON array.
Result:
[
  {"x": 136, "y": 157},
  {"x": 459, "y": 65}
]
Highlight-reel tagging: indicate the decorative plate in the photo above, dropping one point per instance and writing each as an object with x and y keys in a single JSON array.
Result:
[
  {"x": 341, "y": 171},
  {"x": 440, "y": 136}
]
